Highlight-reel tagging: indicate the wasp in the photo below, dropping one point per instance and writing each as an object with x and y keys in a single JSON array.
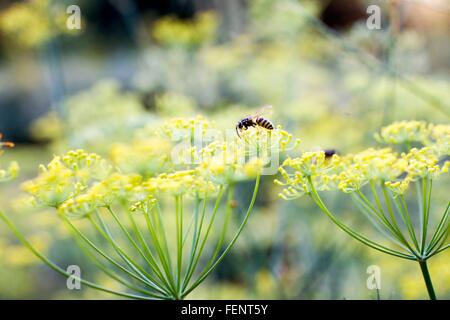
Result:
[
  {"x": 255, "y": 120},
  {"x": 329, "y": 153}
]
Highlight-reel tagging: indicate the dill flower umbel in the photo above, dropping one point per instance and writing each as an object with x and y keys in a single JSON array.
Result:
[
  {"x": 77, "y": 124},
  {"x": 65, "y": 177},
  {"x": 404, "y": 132},
  {"x": 181, "y": 183},
  {"x": 371, "y": 165},
  {"x": 48, "y": 127},
  {"x": 171, "y": 104},
  {"x": 116, "y": 187},
  {"x": 440, "y": 137},
  {"x": 350, "y": 173},
  {"x": 263, "y": 143},
  {"x": 33, "y": 23},
  {"x": 256, "y": 152},
  {"x": 179, "y": 128},
  {"x": 171, "y": 31},
  {"x": 168, "y": 211},
  {"x": 435, "y": 136},
  {"x": 145, "y": 156},
  {"x": 379, "y": 180},
  {"x": 309, "y": 166}
]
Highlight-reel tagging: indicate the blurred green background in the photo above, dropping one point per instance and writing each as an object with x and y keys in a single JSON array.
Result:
[{"x": 332, "y": 82}]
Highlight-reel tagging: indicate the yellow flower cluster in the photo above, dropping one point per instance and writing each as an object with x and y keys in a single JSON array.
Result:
[
  {"x": 261, "y": 142},
  {"x": 115, "y": 187},
  {"x": 9, "y": 173},
  {"x": 78, "y": 183},
  {"x": 48, "y": 127},
  {"x": 394, "y": 170},
  {"x": 370, "y": 165},
  {"x": 418, "y": 163},
  {"x": 115, "y": 115},
  {"x": 180, "y": 183},
  {"x": 110, "y": 102},
  {"x": 145, "y": 156},
  {"x": 188, "y": 137},
  {"x": 310, "y": 166},
  {"x": 132, "y": 190},
  {"x": 32, "y": 23},
  {"x": 225, "y": 165},
  {"x": 383, "y": 166},
  {"x": 66, "y": 176},
  {"x": 171, "y": 104},
  {"x": 185, "y": 144},
  {"x": 245, "y": 158},
  {"x": 404, "y": 132},
  {"x": 146, "y": 167},
  {"x": 171, "y": 31},
  {"x": 436, "y": 136},
  {"x": 351, "y": 172},
  {"x": 180, "y": 128},
  {"x": 440, "y": 137}
]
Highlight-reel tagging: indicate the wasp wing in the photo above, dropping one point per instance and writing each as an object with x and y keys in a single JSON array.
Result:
[{"x": 264, "y": 110}]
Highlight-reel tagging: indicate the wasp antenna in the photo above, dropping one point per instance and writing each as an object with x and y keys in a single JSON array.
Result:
[{"x": 237, "y": 132}]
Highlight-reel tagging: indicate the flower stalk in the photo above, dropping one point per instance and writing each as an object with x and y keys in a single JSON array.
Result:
[
  {"x": 378, "y": 181},
  {"x": 427, "y": 278}
]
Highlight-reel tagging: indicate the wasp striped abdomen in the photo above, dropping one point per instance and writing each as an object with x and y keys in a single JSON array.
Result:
[
  {"x": 263, "y": 122},
  {"x": 253, "y": 121}
]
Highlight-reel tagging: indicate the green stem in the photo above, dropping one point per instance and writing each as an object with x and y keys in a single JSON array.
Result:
[
  {"x": 426, "y": 211},
  {"x": 107, "y": 270},
  {"x": 179, "y": 225},
  {"x": 316, "y": 198},
  {"x": 438, "y": 246},
  {"x": 387, "y": 197},
  {"x": 77, "y": 233},
  {"x": 440, "y": 229},
  {"x": 58, "y": 269},
  {"x": 205, "y": 274},
  {"x": 161, "y": 231},
  {"x": 427, "y": 278},
  {"x": 389, "y": 205},
  {"x": 392, "y": 227},
  {"x": 384, "y": 229},
  {"x": 402, "y": 209},
  {"x": 441, "y": 248},
  {"x": 162, "y": 254},
  {"x": 147, "y": 249},
  {"x": 150, "y": 262},
  {"x": 408, "y": 222},
  {"x": 224, "y": 229},
  {"x": 225, "y": 224},
  {"x": 105, "y": 232},
  {"x": 195, "y": 241}
]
